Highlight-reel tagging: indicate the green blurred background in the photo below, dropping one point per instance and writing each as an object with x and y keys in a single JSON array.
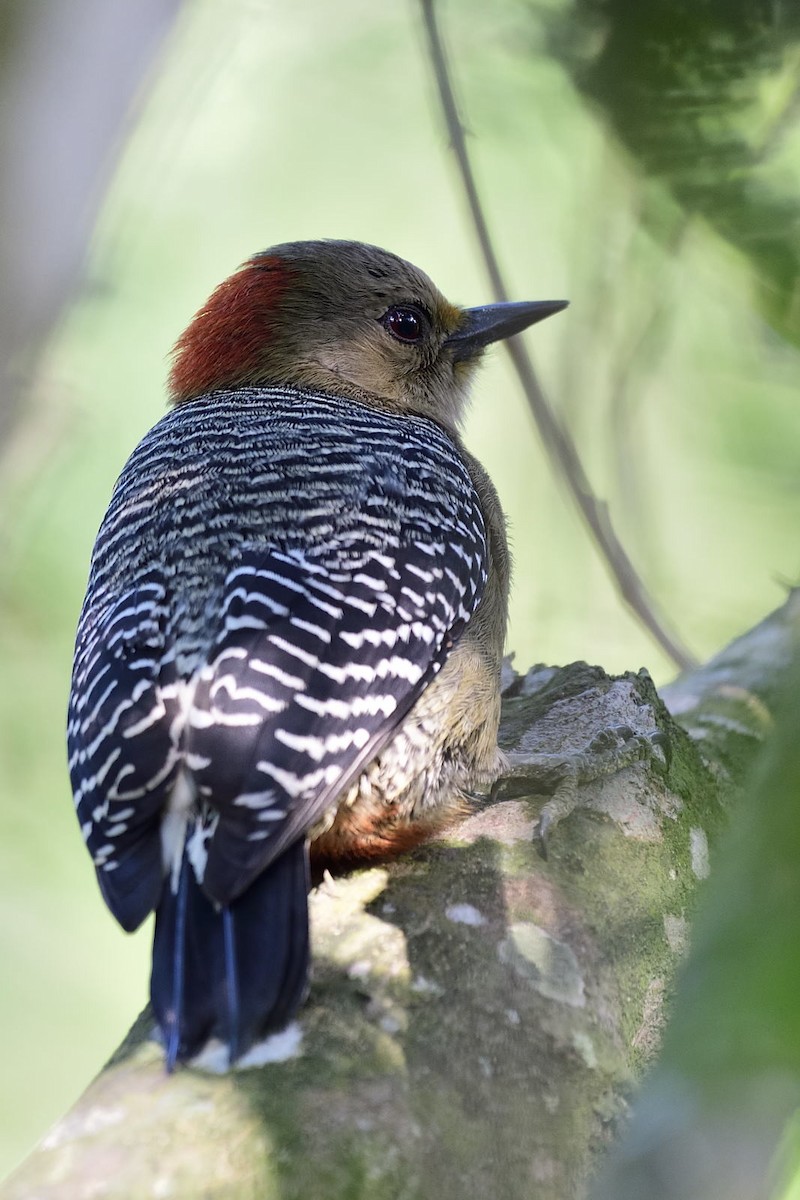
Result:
[{"x": 672, "y": 231}]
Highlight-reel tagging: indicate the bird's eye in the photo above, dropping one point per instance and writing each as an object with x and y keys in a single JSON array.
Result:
[{"x": 406, "y": 324}]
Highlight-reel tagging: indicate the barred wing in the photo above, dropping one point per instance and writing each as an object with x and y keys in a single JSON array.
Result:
[
  {"x": 311, "y": 675},
  {"x": 277, "y": 578},
  {"x": 123, "y": 759}
]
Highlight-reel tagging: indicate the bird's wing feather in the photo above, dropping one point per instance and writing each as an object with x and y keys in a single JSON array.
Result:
[
  {"x": 276, "y": 580},
  {"x": 312, "y": 673},
  {"x": 123, "y": 759}
]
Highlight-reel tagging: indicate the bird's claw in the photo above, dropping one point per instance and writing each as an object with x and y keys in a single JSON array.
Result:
[{"x": 609, "y": 751}]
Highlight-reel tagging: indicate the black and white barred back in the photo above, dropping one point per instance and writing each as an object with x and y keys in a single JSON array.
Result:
[{"x": 277, "y": 578}]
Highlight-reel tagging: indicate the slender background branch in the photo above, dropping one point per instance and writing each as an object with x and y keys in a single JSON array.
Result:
[{"x": 557, "y": 442}]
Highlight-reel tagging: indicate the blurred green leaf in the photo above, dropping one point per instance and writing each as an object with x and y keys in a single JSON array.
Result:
[{"x": 704, "y": 94}]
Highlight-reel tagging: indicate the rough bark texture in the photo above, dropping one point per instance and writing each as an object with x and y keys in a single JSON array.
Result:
[{"x": 478, "y": 1015}]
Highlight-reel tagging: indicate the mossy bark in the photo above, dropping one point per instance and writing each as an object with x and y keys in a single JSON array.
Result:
[{"x": 478, "y": 1015}]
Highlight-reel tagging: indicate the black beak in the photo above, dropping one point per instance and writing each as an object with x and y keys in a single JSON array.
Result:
[{"x": 492, "y": 322}]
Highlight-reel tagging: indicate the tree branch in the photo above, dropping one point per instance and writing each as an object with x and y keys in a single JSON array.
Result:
[
  {"x": 557, "y": 442},
  {"x": 71, "y": 73},
  {"x": 477, "y": 1015}
]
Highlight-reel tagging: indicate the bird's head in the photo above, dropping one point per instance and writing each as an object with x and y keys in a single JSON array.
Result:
[{"x": 344, "y": 318}]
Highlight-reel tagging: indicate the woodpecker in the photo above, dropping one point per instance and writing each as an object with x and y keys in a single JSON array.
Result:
[{"x": 292, "y": 634}]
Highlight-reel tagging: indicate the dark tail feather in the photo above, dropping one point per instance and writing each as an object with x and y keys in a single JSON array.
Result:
[
  {"x": 238, "y": 972},
  {"x": 173, "y": 1033}
]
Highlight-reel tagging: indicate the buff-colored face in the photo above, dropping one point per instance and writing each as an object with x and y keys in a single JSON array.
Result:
[
  {"x": 345, "y": 318},
  {"x": 369, "y": 321}
]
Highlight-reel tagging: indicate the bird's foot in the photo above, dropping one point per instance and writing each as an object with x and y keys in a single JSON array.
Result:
[{"x": 562, "y": 774}]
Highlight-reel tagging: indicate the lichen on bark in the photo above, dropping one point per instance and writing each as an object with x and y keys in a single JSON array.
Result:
[{"x": 478, "y": 1016}]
